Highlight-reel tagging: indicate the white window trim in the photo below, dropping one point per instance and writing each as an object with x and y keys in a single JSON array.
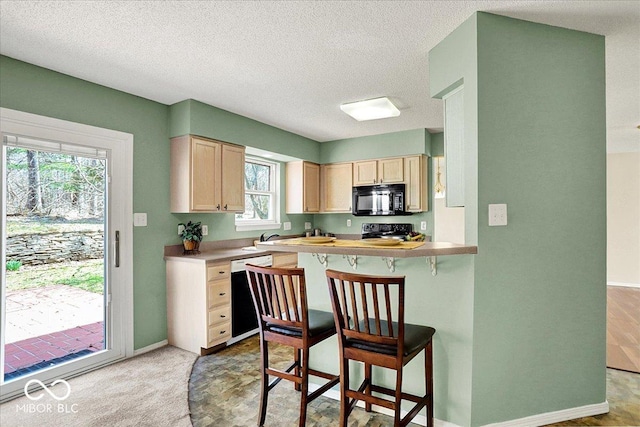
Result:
[{"x": 265, "y": 224}]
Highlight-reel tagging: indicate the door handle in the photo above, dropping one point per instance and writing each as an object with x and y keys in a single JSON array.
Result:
[{"x": 117, "y": 249}]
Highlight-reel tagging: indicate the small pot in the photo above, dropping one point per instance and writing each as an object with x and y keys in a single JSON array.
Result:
[{"x": 191, "y": 245}]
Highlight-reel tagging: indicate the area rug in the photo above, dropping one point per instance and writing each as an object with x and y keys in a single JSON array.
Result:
[{"x": 146, "y": 390}]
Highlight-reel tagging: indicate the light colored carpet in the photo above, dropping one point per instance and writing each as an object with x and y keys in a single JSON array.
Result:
[{"x": 146, "y": 390}]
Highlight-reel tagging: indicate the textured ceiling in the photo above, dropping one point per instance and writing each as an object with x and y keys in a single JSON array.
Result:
[{"x": 291, "y": 64}]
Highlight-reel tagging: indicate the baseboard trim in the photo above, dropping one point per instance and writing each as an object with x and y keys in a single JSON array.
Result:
[
  {"x": 419, "y": 419},
  {"x": 556, "y": 416},
  {"x": 626, "y": 285},
  {"x": 150, "y": 347}
]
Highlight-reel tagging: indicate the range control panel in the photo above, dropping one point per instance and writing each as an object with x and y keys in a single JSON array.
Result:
[{"x": 386, "y": 229}]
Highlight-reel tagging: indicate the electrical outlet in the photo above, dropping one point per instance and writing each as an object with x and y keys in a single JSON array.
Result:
[
  {"x": 205, "y": 230},
  {"x": 348, "y": 223},
  {"x": 423, "y": 225},
  {"x": 497, "y": 215},
  {"x": 180, "y": 228},
  {"x": 307, "y": 226},
  {"x": 287, "y": 225}
]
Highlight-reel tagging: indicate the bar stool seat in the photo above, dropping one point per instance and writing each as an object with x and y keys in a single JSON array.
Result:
[
  {"x": 416, "y": 337},
  {"x": 320, "y": 322}
]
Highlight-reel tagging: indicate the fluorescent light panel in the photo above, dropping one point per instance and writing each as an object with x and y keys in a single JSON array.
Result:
[{"x": 371, "y": 109}]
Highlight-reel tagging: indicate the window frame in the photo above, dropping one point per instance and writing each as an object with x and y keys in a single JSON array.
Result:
[{"x": 264, "y": 224}]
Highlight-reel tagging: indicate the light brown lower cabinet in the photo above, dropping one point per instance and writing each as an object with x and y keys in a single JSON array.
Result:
[
  {"x": 198, "y": 305},
  {"x": 199, "y": 302}
]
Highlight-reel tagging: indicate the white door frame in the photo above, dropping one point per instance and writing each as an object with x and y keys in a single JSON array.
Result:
[{"x": 119, "y": 146}]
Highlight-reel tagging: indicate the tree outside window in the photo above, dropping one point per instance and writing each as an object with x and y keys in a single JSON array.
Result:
[{"x": 260, "y": 193}]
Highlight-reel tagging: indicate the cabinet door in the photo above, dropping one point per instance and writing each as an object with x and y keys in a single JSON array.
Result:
[
  {"x": 416, "y": 195},
  {"x": 232, "y": 178},
  {"x": 365, "y": 173},
  {"x": 390, "y": 170},
  {"x": 311, "y": 187},
  {"x": 205, "y": 175},
  {"x": 336, "y": 187}
]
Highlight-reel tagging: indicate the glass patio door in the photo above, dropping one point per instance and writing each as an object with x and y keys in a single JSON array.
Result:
[{"x": 66, "y": 249}]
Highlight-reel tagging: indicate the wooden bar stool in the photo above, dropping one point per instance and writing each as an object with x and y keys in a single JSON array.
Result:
[
  {"x": 280, "y": 299},
  {"x": 371, "y": 330}
]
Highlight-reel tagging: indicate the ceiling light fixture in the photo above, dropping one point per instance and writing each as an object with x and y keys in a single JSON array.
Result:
[{"x": 371, "y": 109}]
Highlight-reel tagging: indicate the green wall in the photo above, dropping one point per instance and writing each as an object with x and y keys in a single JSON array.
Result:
[
  {"x": 416, "y": 141},
  {"x": 196, "y": 118},
  {"x": 26, "y": 87},
  {"x": 535, "y": 128},
  {"x": 32, "y": 89}
]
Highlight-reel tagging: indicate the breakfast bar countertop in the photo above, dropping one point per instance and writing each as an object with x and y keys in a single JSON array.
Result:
[{"x": 355, "y": 247}]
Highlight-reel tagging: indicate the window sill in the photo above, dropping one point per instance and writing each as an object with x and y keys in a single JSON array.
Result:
[{"x": 253, "y": 227}]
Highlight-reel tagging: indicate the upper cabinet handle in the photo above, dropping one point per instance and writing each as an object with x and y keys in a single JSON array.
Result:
[{"x": 225, "y": 207}]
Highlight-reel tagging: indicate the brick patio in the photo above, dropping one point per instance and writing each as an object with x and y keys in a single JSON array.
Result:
[
  {"x": 50, "y": 325},
  {"x": 39, "y": 350}
]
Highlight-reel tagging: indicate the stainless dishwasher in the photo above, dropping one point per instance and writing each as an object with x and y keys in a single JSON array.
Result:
[{"x": 244, "y": 322}]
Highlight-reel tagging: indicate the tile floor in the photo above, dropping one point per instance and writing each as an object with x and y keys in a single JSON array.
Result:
[{"x": 224, "y": 390}]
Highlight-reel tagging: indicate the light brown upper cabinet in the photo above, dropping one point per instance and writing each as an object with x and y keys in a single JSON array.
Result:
[
  {"x": 335, "y": 187},
  {"x": 303, "y": 187},
  {"x": 232, "y": 178},
  {"x": 382, "y": 171},
  {"x": 416, "y": 180},
  {"x": 206, "y": 175}
]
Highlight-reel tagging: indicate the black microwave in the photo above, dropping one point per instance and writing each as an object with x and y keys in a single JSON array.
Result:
[{"x": 379, "y": 200}]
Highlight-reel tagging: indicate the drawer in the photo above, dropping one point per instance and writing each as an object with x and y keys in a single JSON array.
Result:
[
  {"x": 218, "y": 293},
  {"x": 218, "y": 334},
  {"x": 218, "y": 271},
  {"x": 219, "y": 315},
  {"x": 287, "y": 259}
]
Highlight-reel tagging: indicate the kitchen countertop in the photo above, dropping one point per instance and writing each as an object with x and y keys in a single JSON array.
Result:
[
  {"x": 219, "y": 251},
  {"x": 428, "y": 249}
]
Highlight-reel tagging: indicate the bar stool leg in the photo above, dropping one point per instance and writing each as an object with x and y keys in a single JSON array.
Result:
[
  {"x": 398, "y": 398},
  {"x": 304, "y": 386},
  {"x": 428, "y": 370},
  {"x": 367, "y": 376},
  {"x": 296, "y": 358},
  {"x": 344, "y": 385},
  {"x": 264, "y": 386}
]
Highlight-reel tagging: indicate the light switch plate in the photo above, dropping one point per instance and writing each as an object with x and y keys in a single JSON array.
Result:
[
  {"x": 497, "y": 215},
  {"x": 423, "y": 225},
  {"x": 180, "y": 228},
  {"x": 287, "y": 225},
  {"x": 205, "y": 230},
  {"x": 139, "y": 219},
  {"x": 307, "y": 226},
  {"x": 348, "y": 223}
]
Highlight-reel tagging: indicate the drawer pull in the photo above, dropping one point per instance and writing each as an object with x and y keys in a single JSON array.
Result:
[
  {"x": 220, "y": 272},
  {"x": 222, "y": 294},
  {"x": 223, "y": 332},
  {"x": 223, "y": 316}
]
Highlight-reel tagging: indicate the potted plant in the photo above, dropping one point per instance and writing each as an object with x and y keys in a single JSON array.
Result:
[{"x": 191, "y": 236}]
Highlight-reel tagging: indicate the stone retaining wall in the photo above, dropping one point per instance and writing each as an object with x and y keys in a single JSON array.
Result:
[{"x": 35, "y": 249}]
